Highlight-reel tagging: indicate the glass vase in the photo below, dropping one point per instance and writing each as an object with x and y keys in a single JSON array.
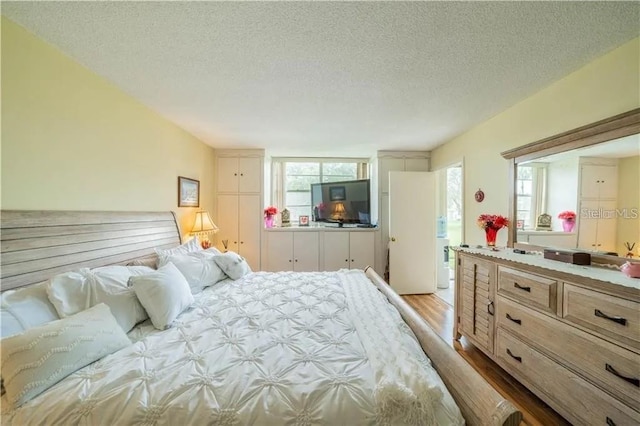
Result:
[
  {"x": 568, "y": 225},
  {"x": 268, "y": 221},
  {"x": 490, "y": 235}
]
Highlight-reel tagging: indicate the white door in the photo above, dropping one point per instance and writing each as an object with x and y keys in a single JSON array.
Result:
[
  {"x": 279, "y": 251},
  {"x": 227, "y": 222},
  {"x": 305, "y": 251},
  {"x": 588, "y": 224},
  {"x": 412, "y": 230},
  {"x": 607, "y": 227},
  {"x": 227, "y": 174},
  {"x": 336, "y": 250},
  {"x": 250, "y": 226},
  {"x": 250, "y": 171},
  {"x": 361, "y": 249}
]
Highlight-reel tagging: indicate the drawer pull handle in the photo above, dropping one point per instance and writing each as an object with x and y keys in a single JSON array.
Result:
[
  {"x": 517, "y": 358},
  {"x": 517, "y": 321},
  {"x": 518, "y": 286},
  {"x": 610, "y": 422},
  {"x": 490, "y": 309},
  {"x": 633, "y": 381},
  {"x": 601, "y": 314}
]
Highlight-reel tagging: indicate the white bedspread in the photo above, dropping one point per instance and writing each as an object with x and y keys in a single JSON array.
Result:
[{"x": 268, "y": 349}]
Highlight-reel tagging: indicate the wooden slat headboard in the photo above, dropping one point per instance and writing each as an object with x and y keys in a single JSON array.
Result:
[{"x": 36, "y": 245}]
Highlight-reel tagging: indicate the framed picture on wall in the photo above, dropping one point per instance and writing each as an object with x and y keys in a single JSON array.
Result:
[
  {"x": 337, "y": 193},
  {"x": 188, "y": 192},
  {"x": 520, "y": 224}
]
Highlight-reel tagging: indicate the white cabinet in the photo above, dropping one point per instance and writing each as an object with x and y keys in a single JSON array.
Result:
[
  {"x": 597, "y": 215},
  {"x": 239, "y": 203},
  {"x": 239, "y": 174},
  {"x": 239, "y": 222},
  {"x": 598, "y": 181},
  {"x": 292, "y": 251},
  {"x": 597, "y": 226},
  {"x": 348, "y": 250}
]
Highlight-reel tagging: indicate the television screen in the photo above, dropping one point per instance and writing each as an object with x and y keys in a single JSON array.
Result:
[{"x": 341, "y": 202}]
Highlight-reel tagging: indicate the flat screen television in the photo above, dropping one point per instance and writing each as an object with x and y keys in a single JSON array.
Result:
[{"x": 342, "y": 202}]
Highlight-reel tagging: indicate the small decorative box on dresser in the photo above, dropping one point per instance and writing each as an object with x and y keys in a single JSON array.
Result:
[{"x": 570, "y": 333}]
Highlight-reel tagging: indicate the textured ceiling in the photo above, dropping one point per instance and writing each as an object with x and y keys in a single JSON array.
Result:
[{"x": 330, "y": 78}]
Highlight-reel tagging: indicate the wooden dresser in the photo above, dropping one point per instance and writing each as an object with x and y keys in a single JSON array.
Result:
[{"x": 572, "y": 340}]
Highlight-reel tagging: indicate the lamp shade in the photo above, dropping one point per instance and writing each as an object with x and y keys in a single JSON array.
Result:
[
  {"x": 203, "y": 223},
  {"x": 339, "y": 208}
]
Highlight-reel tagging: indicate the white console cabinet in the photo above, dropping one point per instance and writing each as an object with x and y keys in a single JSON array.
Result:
[
  {"x": 292, "y": 251},
  {"x": 350, "y": 250}
]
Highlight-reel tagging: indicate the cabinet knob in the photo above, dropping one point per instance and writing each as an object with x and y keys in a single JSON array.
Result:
[
  {"x": 393, "y": 239},
  {"x": 352, "y": 260},
  {"x": 235, "y": 174},
  {"x": 296, "y": 260},
  {"x": 346, "y": 260},
  {"x": 235, "y": 242},
  {"x": 241, "y": 174},
  {"x": 241, "y": 242},
  {"x": 289, "y": 260}
]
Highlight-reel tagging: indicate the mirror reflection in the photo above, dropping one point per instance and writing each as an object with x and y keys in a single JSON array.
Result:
[{"x": 597, "y": 186}]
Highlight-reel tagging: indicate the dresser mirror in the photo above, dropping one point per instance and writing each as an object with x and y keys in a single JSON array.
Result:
[{"x": 592, "y": 172}]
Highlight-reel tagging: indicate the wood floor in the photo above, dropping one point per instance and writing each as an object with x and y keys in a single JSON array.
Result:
[{"x": 439, "y": 315}]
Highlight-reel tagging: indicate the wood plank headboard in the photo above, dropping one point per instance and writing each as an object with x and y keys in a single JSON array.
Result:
[{"x": 38, "y": 244}]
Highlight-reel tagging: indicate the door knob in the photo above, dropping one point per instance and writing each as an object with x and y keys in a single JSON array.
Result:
[{"x": 393, "y": 239}]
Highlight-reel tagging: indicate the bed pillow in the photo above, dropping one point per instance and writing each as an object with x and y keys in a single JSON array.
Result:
[
  {"x": 76, "y": 291},
  {"x": 199, "y": 269},
  {"x": 190, "y": 246},
  {"x": 164, "y": 293},
  {"x": 25, "y": 308},
  {"x": 38, "y": 358},
  {"x": 232, "y": 264}
]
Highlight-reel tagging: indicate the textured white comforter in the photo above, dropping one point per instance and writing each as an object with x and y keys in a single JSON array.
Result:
[{"x": 268, "y": 349}]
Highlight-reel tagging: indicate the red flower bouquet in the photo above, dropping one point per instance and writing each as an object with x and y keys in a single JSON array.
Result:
[
  {"x": 270, "y": 211},
  {"x": 567, "y": 215},
  {"x": 492, "y": 223}
]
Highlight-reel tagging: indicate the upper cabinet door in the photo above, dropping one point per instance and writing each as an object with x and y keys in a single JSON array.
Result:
[
  {"x": 598, "y": 182},
  {"x": 228, "y": 174},
  {"x": 250, "y": 172}
]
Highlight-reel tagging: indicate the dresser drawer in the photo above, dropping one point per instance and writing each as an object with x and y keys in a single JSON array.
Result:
[
  {"x": 573, "y": 397},
  {"x": 531, "y": 290},
  {"x": 612, "y": 316},
  {"x": 603, "y": 363}
]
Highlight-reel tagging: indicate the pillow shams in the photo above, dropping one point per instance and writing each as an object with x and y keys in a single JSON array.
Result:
[
  {"x": 164, "y": 294},
  {"x": 199, "y": 269},
  {"x": 234, "y": 265},
  {"x": 40, "y": 357},
  {"x": 190, "y": 246},
  {"x": 24, "y": 308},
  {"x": 76, "y": 291}
]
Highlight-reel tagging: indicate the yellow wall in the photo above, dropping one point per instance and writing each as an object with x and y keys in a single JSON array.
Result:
[
  {"x": 607, "y": 86},
  {"x": 628, "y": 228},
  {"x": 73, "y": 141}
]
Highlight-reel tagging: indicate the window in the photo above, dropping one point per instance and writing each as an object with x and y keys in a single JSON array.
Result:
[
  {"x": 531, "y": 192},
  {"x": 292, "y": 179}
]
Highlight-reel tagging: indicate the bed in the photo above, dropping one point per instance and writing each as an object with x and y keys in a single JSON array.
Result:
[{"x": 268, "y": 348}]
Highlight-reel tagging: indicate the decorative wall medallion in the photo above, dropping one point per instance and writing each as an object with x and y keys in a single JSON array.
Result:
[{"x": 479, "y": 195}]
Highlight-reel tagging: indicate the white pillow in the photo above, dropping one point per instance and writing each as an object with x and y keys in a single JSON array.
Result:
[
  {"x": 24, "y": 308},
  {"x": 232, "y": 264},
  {"x": 76, "y": 291},
  {"x": 189, "y": 247},
  {"x": 164, "y": 293},
  {"x": 198, "y": 268},
  {"x": 38, "y": 358}
]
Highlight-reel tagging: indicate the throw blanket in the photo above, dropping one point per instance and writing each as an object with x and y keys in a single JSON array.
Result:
[{"x": 404, "y": 391}]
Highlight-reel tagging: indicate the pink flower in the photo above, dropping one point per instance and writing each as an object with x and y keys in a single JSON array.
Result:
[
  {"x": 567, "y": 215},
  {"x": 492, "y": 221}
]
